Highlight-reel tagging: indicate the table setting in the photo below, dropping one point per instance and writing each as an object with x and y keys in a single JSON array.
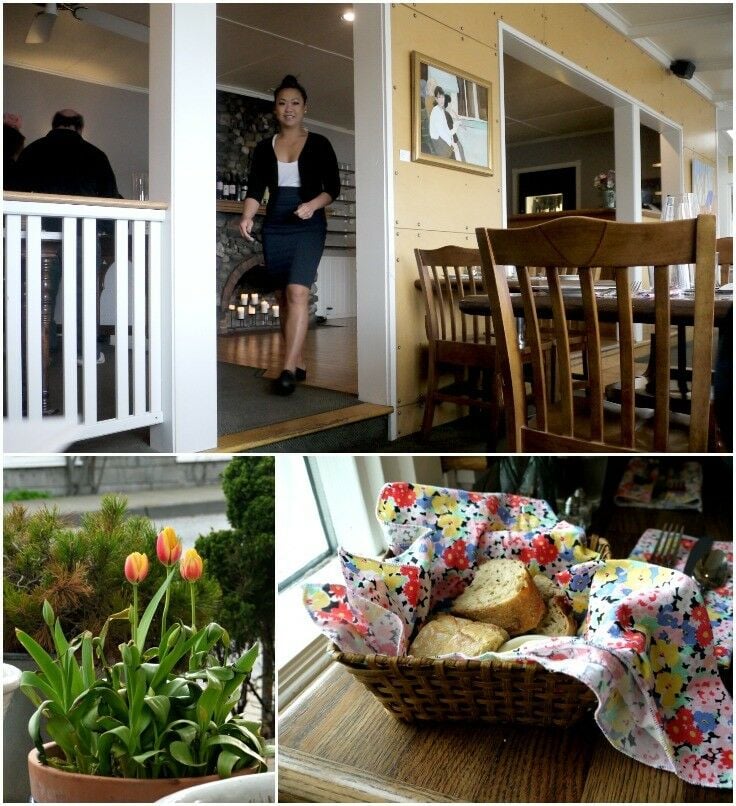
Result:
[{"x": 644, "y": 655}]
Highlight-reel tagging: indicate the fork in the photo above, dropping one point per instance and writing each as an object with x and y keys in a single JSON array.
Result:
[{"x": 667, "y": 546}]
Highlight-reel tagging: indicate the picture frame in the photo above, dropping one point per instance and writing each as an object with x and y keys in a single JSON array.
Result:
[{"x": 466, "y": 144}]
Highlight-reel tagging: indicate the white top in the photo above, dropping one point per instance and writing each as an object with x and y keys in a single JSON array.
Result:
[
  {"x": 288, "y": 172},
  {"x": 438, "y": 128}
]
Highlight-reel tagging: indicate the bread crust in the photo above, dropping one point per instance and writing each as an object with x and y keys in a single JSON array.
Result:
[
  {"x": 514, "y": 604},
  {"x": 447, "y": 634},
  {"x": 558, "y": 619}
]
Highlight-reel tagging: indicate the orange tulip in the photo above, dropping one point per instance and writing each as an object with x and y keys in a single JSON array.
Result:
[
  {"x": 191, "y": 566},
  {"x": 168, "y": 546},
  {"x": 136, "y": 567}
]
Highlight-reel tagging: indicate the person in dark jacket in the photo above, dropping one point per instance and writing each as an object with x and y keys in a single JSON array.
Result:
[
  {"x": 300, "y": 171},
  {"x": 13, "y": 141},
  {"x": 64, "y": 162}
]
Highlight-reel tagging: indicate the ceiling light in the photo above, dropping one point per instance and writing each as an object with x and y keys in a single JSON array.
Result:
[
  {"x": 40, "y": 31},
  {"x": 349, "y": 16}
]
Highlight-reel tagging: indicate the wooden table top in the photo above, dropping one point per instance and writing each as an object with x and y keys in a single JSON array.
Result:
[
  {"x": 338, "y": 744},
  {"x": 682, "y": 308}
]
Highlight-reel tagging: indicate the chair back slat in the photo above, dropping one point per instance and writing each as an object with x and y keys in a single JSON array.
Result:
[
  {"x": 533, "y": 339},
  {"x": 724, "y": 248},
  {"x": 585, "y": 246},
  {"x": 661, "y": 357},
  {"x": 705, "y": 271},
  {"x": 446, "y": 275},
  {"x": 626, "y": 355},
  {"x": 562, "y": 345},
  {"x": 593, "y": 337}
]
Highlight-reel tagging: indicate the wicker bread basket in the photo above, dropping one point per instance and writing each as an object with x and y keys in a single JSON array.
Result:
[{"x": 427, "y": 689}]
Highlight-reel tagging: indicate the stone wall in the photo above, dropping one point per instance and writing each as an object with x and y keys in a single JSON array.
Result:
[
  {"x": 114, "y": 474},
  {"x": 242, "y": 122}
]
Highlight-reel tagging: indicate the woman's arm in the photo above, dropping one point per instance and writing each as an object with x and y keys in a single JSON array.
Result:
[
  {"x": 250, "y": 208},
  {"x": 308, "y": 209}
]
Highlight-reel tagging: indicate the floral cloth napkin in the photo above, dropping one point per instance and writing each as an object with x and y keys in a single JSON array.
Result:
[
  {"x": 655, "y": 485},
  {"x": 645, "y": 643},
  {"x": 719, "y": 602}
]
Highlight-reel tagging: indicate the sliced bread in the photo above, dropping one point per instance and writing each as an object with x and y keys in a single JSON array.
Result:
[
  {"x": 547, "y": 587},
  {"x": 446, "y": 634},
  {"x": 502, "y": 593},
  {"x": 558, "y": 619}
]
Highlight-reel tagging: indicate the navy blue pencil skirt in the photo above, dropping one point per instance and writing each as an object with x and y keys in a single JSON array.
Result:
[{"x": 292, "y": 248}]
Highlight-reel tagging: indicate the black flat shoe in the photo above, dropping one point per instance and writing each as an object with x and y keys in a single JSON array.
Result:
[
  {"x": 300, "y": 374},
  {"x": 285, "y": 383}
]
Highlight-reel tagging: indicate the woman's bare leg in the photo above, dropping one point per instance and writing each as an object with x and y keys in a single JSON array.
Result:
[{"x": 295, "y": 324}]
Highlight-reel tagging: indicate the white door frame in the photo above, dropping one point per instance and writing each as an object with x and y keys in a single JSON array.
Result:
[
  {"x": 628, "y": 113},
  {"x": 374, "y": 253}
]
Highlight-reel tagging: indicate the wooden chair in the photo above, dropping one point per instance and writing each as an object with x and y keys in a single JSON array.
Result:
[
  {"x": 724, "y": 247},
  {"x": 579, "y": 424},
  {"x": 455, "y": 339}
]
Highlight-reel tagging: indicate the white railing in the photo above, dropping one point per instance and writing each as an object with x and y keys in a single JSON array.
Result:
[{"x": 54, "y": 400}]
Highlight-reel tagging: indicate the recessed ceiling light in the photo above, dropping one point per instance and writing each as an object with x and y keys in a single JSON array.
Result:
[{"x": 349, "y": 16}]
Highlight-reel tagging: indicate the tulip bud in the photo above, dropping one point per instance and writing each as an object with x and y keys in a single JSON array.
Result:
[
  {"x": 191, "y": 566},
  {"x": 168, "y": 546},
  {"x": 136, "y": 567}
]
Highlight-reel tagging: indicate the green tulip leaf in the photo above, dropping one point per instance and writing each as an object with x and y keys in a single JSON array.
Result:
[
  {"x": 43, "y": 660},
  {"x": 231, "y": 741},
  {"x": 141, "y": 758},
  {"x": 48, "y": 614},
  {"x": 147, "y": 617},
  {"x": 160, "y": 707},
  {"x": 30, "y": 681},
  {"x": 246, "y": 661},
  {"x": 181, "y": 753},
  {"x": 225, "y": 763}
]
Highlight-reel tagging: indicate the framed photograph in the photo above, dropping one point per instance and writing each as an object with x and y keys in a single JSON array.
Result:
[{"x": 451, "y": 113}]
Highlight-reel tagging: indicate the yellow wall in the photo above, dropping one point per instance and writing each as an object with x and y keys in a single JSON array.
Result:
[{"x": 437, "y": 205}]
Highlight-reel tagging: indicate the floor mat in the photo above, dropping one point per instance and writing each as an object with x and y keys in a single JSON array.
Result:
[{"x": 245, "y": 400}]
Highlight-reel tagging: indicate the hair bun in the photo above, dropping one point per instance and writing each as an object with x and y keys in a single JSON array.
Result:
[{"x": 290, "y": 82}]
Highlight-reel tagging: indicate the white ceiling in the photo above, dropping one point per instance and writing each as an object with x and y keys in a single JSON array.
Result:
[{"x": 258, "y": 42}]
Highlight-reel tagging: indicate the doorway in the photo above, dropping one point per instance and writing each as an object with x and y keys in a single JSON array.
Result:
[
  {"x": 249, "y": 344},
  {"x": 619, "y": 119}
]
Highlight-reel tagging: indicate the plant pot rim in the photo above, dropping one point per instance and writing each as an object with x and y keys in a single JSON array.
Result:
[
  {"x": 11, "y": 677},
  {"x": 175, "y": 783}
]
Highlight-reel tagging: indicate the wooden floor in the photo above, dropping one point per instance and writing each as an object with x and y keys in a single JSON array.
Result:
[{"x": 330, "y": 353}]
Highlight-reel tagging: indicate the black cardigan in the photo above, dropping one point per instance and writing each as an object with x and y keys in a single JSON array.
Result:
[{"x": 318, "y": 170}]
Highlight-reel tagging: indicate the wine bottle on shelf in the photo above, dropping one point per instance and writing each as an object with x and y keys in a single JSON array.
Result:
[
  {"x": 218, "y": 185},
  {"x": 238, "y": 186},
  {"x": 233, "y": 177}
]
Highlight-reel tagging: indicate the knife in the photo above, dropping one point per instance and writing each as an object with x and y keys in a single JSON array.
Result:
[{"x": 700, "y": 549}]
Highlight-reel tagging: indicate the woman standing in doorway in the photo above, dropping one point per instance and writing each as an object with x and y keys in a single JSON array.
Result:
[{"x": 300, "y": 170}]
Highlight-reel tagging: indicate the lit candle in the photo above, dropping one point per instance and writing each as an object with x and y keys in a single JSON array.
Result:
[
  {"x": 264, "y": 306},
  {"x": 241, "y": 312},
  {"x": 243, "y": 299},
  {"x": 231, "y": 307},
  {"x": 275, "y": 311},
  {"x": 254, "y": 299},
  {"x": 251, "y": 310}
]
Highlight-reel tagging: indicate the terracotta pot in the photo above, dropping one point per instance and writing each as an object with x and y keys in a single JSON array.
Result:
[{"x": 49, "y": 785}]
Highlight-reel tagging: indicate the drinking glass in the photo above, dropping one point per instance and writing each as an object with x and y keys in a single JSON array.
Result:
[
  {"x": 140, "y": 185},
  {"x": 679, "y": 208}
]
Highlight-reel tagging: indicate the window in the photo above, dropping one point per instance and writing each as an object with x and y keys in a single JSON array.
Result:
[{"x": 323, "y": 503}]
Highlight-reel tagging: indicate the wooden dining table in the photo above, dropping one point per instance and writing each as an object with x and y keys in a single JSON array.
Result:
[
  {"x": 682, "y": 307},
  {"x": 338, "y": 744}
]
